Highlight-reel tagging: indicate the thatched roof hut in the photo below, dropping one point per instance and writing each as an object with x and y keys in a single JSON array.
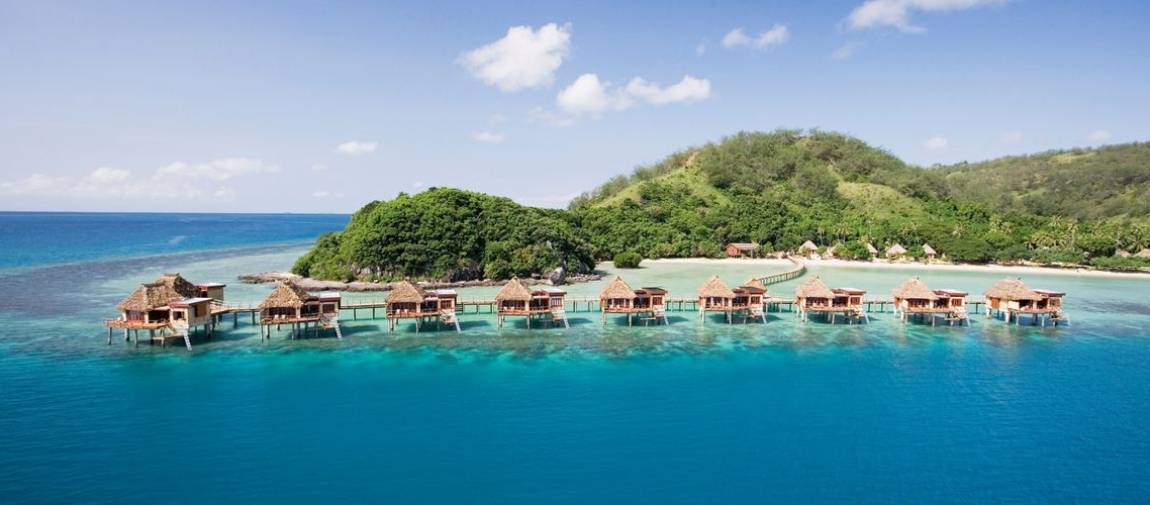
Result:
[
  {"x": 808, "y": 246},
  {"x": 1145, "y": 254},
  {"x": 870, "y": 248},
  {"x": 1121, "y": 253},
  {"x": 1011, "y": 288},
  {"x": 928, "y": 250},
  {"x": 405, "y": 292},
  {"x": 715, "y": 288},
  {"x": 149, "y": 296},
  {"x": 914, "y": 288},
  {"x": 286, "y": 294},
  {"x": 754, "y": 282},
  {"x": 180, "y": 285},
  {"x": 896, "y": 250},
  {"x": 514, "y": 290},
  {"x": 617, "y": 289},
  {"x": 814, "y": 288}
]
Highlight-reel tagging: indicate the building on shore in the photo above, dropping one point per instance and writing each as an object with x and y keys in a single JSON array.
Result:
[
  {"x": 895, "y": 252},
  {"x": 1013, "y": 299},
  {"x": 813, "y": 296},
  {"x": 742, "y": 249},
  {"x": 914, "y": 298},
  {"x": 928, "y": 253},
  {"x": 407, "y": 301},
  {"x": 517, "y": 299},
  {"x": 289, "y": 304},
  {"x": 650, "y": 303}
]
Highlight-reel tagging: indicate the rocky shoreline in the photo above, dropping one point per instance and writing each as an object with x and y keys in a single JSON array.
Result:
[{"x": 310, "y": 284}]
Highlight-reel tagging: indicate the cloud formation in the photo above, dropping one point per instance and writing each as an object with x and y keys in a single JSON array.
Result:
[
  {"x": 175, "y": 181},
  {"x": 524, "y": 58},
  {"x": 491, "y": 137},
  {"x": 936, "y": 143},
  {"x": 356, "y": 147},
  {"x": 773, "y": 37},
  {"x": 847, "y": 50},
  {"x": 218, "y": 170},
  {"x": 1099, "y": 136},
  {"x": 896, "y": 13},
  {"x": 589, "y": 96}
]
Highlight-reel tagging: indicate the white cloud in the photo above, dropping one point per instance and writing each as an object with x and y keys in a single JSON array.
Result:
[
  {"x": 773, "y": 37},
  {"x": 1010, "y": 138},
  {"x": 356, "y": 147},
  {"x": 225, "y": 194},
  {"x": 492, "y": 137},
  {"x": 541, "y": 115},
  {"x": 524, "y": 58},
  {"x": 847, "y": 50},
  {"x": 106, "y": 174},
  {"x": 896, "y": 13},
  {"x": 589, "y": 96},
  {"x": 936, "y": 143},
  {"x": 321, "y": 194},
  {"x": 417, "y": 184},
  {"x": 1099, "y": 136},
  {"x": 689, "y": 89},
  {"x": 218, "y": 170}
]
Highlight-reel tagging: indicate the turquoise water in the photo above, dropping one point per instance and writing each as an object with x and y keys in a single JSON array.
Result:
[{"x": 688, "y": 412}]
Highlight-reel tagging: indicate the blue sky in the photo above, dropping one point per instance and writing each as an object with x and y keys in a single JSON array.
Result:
[{"x": 308, "y": 106}]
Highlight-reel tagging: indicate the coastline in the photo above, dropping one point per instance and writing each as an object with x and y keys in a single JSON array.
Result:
[{"x": 947, "y": 267}]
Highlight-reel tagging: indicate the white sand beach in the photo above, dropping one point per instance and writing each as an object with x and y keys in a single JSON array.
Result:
[{"x": 936, "y": 266}]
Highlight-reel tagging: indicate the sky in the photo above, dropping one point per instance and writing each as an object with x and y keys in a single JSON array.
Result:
[{"x": 324, "y": 106}]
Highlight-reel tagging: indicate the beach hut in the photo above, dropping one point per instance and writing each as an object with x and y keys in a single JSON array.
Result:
[
  {"x": 716, "y": 296},
  {"x": 814, "y": 296},
  {"x": 928, "y": 252},
  {"x": 290, "y": 304},
  {"x": 809, "y": 249},
  {"x": 517, "y": 299},
  {"x": 648, "y": 302},
  {"x": 913, "y": 297},
  {"x": 742, "y": 249},
  {"x": 895, "y": 251},
  {"x": 870, "y": 249},
  {"x": 408, "y": 301},
  {"x": 1012, "y": 298},
  {"x": 1121, "y": 253},
  {"x": 1144, "y": 254}
]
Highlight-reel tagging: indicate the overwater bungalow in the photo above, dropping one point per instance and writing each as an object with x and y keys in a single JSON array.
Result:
[
  {"x": 407, "y": 301},
  {"x": 716, "y": 296},
  {"x": 648, "y": 302},
  {"x": 169, "y": 307},
  {"x": 752, "y": 298},
  {"x": 292, "y": 305},
  {"x": 517, "y": 299},
  {"x": 913, "y": 297},
  {"x": 814, "y": 296},
  {"x": 1012, "y": 298}
]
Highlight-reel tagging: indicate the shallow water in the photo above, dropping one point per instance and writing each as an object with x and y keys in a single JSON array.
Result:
[{"x": 786, "y": 411}]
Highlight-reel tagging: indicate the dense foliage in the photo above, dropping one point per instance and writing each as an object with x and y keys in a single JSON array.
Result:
[
  {"x": 447, "y": 234},
  {"x": 778, "y": 189},
  {"x": 628, "y": 259}
]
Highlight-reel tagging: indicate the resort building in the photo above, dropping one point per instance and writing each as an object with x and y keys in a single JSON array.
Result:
[
  {"x": 814, "y": 296},
  {"x": 742, "y": 249},
  {"x": 648, "y": 302},
  {"x": 169, "y": 307},
  {"x": 870, "y": 249},
  {"x": 747, "y": 300},
  {"x": 913, "y": 297},
  {"x": 895, "y": 252},
  {"x": 406, "y": 301},
  {"x": 291, "y": 305},
  {"x": 809, "y": 249},
  {"x": 928, "y": 253},
  {"x": 1012, "y": 298},
  {"x": 517, "y": 299}
]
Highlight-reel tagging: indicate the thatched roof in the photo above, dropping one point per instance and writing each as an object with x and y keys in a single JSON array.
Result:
[
  {"x": 914, "y": 288},
  {"x": 895, "y": 250},
  {"x": 515, "y": 289},
  {"x": 715, "y": 288},
  {"x": 150, "y": 296},
  {"x": 617, "y": 289},
  {"x": 1011, "y": 288},
  {"x": 405, "y": 292},
  {"x": 814, "y": 288},
  {"x": 180, "y": 285},
  {"x": 286, "y": 294},
  {"x": 1123, "y": 254},
  {"x": 744, "y": 246},
  {"x": 870, "y": 248},
  {"x": 754, "y": 282},
  {"x": 1145, "y": 253},
  {"x": 927, "y": 249},
  {"x": 808, "y": 246}
]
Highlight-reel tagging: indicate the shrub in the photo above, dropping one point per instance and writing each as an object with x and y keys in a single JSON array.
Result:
[{"x": 628, "y": 259}]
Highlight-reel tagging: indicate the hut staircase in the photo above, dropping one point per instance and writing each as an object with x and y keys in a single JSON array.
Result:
[
  {"x": 660, "y": 312},
  {"x": 757, "y": 312},
  {"x": 331, "y": 322},
  {"x": 560, "y": 314},
  {"x": 181, "y": 329},
  {"x": 448, "y": 316}
]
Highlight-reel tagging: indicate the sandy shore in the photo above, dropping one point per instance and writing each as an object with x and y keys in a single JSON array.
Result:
[{"x": 948, "y": 267}]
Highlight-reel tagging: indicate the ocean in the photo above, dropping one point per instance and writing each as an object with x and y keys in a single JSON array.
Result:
[{"x": 683, "y": 413}]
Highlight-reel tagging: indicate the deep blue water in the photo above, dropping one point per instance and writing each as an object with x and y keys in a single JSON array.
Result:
[{"x": 686, "y": 413}]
